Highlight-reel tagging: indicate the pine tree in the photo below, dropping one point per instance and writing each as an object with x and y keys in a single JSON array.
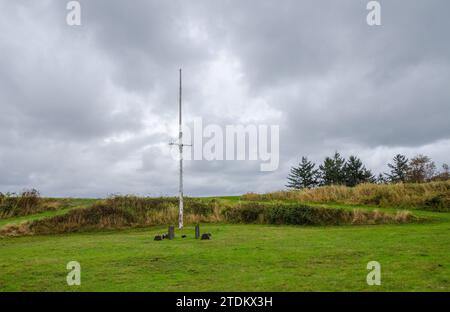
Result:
[
  {"x": 399, "y": 169},
  {"x": 356, "y": 172},
  {"x": 332, "y": 170},
  {"x": 381, "y": 179},
  {"x": 303, "y": 176}
]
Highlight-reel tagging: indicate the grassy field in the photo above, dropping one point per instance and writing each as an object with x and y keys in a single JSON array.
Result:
[{"x": 413, "y": 257}]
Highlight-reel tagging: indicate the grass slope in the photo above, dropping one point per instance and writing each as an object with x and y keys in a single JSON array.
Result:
[
  {"x": 413, "y": 257},
  {"x": 68, "y": 205}
]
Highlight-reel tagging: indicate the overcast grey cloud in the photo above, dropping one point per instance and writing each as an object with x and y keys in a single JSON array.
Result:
[{"x": 88, "y": 110}]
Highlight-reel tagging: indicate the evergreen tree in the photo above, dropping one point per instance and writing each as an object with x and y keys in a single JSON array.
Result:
[
  {"x": 399, "y": 169},
  {"x": 356, "y": 172},
  {"x": 332, "y": 170},
  {"x": 381, "y": 179},
  {"x": 303, "y": 176}
]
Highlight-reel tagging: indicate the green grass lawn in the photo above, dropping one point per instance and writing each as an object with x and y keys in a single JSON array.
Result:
[{"x": 413, "y": 257}]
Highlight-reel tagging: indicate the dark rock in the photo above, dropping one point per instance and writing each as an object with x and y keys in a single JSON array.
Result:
[
  {"x": 158, "y": 238},
  {"x": 206, "y": 236},
  {"x": 183, "y": 236}
]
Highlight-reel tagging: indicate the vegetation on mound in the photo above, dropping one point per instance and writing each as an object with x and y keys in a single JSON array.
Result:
[
  {"x": 433, "y": 196},
  {"x": 120, "y": 212},
  {"x": 300, "y": 214},
  {"x": 26, "y": 203},
  {"x": 130, "y": 211}
]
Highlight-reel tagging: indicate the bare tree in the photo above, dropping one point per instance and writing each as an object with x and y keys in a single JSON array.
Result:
[{"x": 421, "y": 169}]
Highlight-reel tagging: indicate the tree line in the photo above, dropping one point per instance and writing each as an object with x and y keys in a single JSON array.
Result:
[{"x": 337, "y": 170}]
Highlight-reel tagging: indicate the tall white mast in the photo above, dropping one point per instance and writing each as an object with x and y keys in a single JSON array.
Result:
[{"x": 180, "y": 146}]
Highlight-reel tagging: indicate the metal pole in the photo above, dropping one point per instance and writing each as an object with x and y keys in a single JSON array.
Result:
[{"x": 180, "y": 145}]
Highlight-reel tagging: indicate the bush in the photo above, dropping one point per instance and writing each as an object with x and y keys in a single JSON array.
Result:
[
  {"x": 438, "y": 203},
  {"x": 244, "y": 213},
  {"x": 199, "y": 207},
  {"x": 302, "y": 214},
  {"x": 299, "y": 214},
  {"x": 27, "y": 202}
]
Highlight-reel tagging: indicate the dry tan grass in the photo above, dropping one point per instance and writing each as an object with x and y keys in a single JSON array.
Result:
[
  {"x": 16, "y": 230},
  {"x": 433, "y": 195},
  {"x": 378, "y": 217}
]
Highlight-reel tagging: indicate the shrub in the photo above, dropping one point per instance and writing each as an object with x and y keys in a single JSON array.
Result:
[
  {"x": 300, "y": 214},
  {"x": 244, "y": 213},
  {"x": 27, "y": 202},
  {"x": 438, "y": 203},
  {"x": 200, "y": 207}
]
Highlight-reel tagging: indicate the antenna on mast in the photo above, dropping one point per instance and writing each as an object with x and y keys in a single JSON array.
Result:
[{"x": 180, "y": 146}]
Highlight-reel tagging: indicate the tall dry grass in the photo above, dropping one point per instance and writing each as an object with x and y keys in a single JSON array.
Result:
[
  {"x": 25, "y": 203},
  {"x": 430, "y": 196}
]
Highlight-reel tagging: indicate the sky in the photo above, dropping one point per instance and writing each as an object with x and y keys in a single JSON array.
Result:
[{"x": 88, "y": 111}]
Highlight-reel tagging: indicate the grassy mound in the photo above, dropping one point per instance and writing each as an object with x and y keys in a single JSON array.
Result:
[
  {"x": 120, "y": 212},
  {"x": 299, "y": 214},
  {"x": 434, "y": 196},
  {"x": 130, "y": 211}
]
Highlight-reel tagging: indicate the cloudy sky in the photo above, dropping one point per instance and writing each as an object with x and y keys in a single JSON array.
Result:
[{"x": 88, "y": 110}]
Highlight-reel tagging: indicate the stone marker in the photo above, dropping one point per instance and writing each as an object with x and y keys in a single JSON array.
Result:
[
  {"x": 171, "y": 232},
  {"x": 197, "y": 231}
]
